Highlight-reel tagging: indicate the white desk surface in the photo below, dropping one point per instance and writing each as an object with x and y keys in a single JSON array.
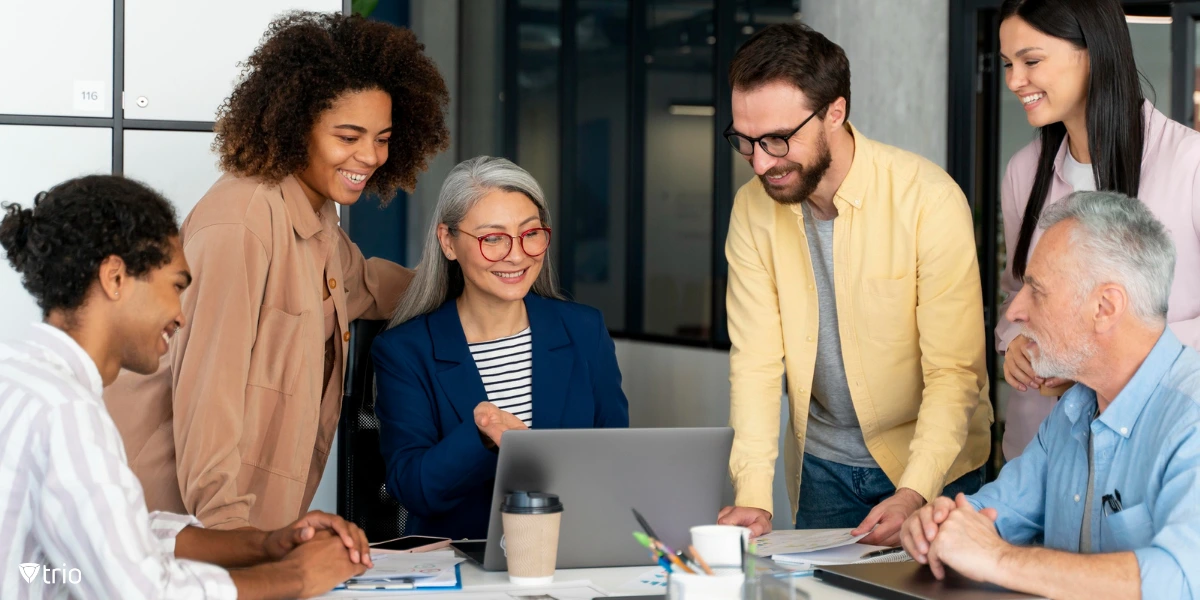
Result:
[{"x": 609, "y": 580}]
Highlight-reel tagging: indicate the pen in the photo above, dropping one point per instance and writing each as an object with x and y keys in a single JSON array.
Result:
[
  {"x": 672, "y": 557},
  {"x": 665, "y": 564},
  {"x": 650, "y": 532},
  {"x": 884, "y": 552},
  {"x": 383, "y": 580},
  {"x": 1113, "y": 501},
  {"x": 661, "y": 551},
  {"x": 645, "y": 526},
  {"x": 700, "y": 560}
]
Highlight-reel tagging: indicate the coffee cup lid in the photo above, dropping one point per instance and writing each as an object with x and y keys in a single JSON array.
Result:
[{"x": 531, "y": 503}]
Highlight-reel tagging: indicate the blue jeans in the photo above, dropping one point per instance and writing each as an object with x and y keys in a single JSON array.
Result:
[{"x": 836, "y": 496}]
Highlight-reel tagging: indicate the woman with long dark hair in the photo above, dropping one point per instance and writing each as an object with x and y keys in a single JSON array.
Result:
[{"x": 1070, "y": 63}]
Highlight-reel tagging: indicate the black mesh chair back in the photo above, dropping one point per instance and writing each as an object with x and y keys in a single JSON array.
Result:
[{"x": 362, "y": 494}]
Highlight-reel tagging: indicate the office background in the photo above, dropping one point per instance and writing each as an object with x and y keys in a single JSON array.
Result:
[{"x": 616, "y": 106}]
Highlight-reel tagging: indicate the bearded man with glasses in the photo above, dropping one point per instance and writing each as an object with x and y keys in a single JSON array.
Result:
[{"x": 852, "y": 268}]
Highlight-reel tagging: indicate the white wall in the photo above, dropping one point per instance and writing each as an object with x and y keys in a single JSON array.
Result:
[
  {"x": 179, "y": 164},
  {"x": 56, "y": 66},
  {"x": 184, "y": 72},
  {"x": 898, "y": 67},
  {"x": 32, "y": 160}
]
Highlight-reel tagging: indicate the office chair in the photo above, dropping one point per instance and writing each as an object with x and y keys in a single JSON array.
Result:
[{"x": 362, "y": 494}]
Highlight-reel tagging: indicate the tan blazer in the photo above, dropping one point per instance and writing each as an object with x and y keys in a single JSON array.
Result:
[{"x": 244, "y": 438}]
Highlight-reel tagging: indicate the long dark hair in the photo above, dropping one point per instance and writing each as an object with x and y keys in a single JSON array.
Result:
[{"x": 1114, "y": 101}]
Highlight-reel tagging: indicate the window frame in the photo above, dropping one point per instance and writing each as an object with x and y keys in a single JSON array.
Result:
[{"x": 726, "y": 33}]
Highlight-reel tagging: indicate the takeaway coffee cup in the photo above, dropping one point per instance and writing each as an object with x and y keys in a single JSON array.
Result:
[{"x": 531, "y": 521}]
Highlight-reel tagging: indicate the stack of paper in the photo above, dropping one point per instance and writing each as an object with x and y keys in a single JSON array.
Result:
[
  {"x": 792, "y": 541},
  {"x": 815, "y": 547}
]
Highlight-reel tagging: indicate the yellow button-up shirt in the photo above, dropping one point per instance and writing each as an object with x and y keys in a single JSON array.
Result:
[{"x": 910, "y": 311}]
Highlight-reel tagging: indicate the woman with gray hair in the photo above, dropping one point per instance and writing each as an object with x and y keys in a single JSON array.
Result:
[{"x": 482, "y": 342}]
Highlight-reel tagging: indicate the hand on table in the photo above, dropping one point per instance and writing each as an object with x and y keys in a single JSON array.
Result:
[
  {"x": 282, "y": 541},
  {"x": 320, "y": 564},
  {"x": 968, "y": 542},
  {"x": 757, "y": 520},
  {"x": 884, "y": 521}
]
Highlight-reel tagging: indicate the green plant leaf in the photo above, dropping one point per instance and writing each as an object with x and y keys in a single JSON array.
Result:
[{"x": 363, "y": 8}]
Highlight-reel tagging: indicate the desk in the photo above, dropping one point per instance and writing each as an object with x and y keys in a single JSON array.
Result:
[{"x": 609, "y": 580}]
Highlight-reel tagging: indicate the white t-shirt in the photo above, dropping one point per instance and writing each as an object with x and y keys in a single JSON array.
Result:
[{"x": 1078, "y": 174}]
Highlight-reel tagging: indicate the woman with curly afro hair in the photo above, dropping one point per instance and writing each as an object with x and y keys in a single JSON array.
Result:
[{"x": 236, "y": 425}]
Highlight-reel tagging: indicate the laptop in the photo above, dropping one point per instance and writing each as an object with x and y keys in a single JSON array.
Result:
[
  {"x": 674, "y": 477},
  {"x": 910, "y": 581}
]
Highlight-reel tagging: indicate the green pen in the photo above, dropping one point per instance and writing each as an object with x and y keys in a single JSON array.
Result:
[{"x": 644, "y": 540}]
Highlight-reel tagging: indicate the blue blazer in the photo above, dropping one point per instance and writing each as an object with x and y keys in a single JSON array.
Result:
[{"x": 428, "y": 387}]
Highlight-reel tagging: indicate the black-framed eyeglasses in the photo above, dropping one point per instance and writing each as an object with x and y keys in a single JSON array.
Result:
[{"x": 774, "y": 145}]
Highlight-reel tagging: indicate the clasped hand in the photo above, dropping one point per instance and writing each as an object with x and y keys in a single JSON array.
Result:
[
  {"x": 280, "y": 542},
  {"x": 952, "y": 533}
]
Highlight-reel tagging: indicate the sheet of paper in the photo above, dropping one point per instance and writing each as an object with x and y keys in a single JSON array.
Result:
[
  {"x": 654, "y": 580},
  {"x": 553, "y": 592},
  {"x": 840, "y": 555},
  {"x": 421, "y": 565},
  {"x": 791, "y": 541}
]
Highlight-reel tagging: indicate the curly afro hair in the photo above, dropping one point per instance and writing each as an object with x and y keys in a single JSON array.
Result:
[
  {"x": 306, "y": 61},
  {"x": 58, "y": 245}
]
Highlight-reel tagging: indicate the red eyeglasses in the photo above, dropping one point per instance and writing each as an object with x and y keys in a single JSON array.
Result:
[{"x": 496, "y": 246}]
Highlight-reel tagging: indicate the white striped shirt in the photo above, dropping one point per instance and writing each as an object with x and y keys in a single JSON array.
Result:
[
  {"x": 73, "y": 520},
  {"x": 506, "y": 366}
]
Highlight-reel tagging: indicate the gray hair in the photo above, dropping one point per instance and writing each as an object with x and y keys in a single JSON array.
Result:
[
  {"x": 1118, "y": 240},
  {"x": 439, "y": 279}
]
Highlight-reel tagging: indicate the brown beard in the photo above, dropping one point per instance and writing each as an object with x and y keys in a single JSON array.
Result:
[{"x": 810, "y": 177}]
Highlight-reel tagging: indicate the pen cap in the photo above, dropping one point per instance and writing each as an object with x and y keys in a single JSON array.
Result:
[{"x": 531, "y": 503}]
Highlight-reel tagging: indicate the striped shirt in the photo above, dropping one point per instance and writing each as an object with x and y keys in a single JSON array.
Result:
[
  {"x": 73, "y": 520},
  {"x": 506, "y": 366}
]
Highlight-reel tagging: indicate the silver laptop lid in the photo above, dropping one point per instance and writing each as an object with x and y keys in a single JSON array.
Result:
[{"x": 674, "y": 477}]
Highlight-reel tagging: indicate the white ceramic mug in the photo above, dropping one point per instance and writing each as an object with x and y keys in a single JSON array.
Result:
[{"x": 721, "y": 545}]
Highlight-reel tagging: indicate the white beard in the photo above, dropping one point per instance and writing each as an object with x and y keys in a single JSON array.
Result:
[{"x": 1065, "y": 365}]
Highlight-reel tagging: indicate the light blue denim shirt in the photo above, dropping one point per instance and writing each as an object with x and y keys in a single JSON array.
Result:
[{"x": 1147, "y": 447}]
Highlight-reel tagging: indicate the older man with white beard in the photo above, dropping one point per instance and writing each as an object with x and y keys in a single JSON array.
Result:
[{"x": 1112, "y": 481}]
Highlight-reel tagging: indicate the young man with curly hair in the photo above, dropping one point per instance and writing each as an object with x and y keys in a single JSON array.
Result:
[
  {"x": 242, "y": 412},
  {"x": 102, "y": 256}
]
